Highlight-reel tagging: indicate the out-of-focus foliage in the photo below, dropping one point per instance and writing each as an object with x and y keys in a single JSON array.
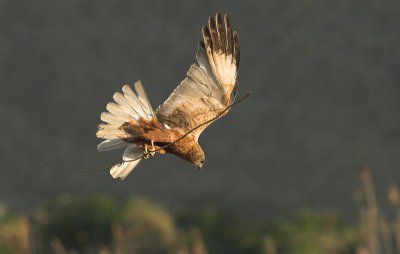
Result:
[
  {"x": 145, "y": 227},
  {"x": 102, "y": 225},
  {"x": 311, "y": 232},
  {"x": 308, "y": 233},
  {"x": 16, "y": 235},
  {"x": 80, "y": 223}
]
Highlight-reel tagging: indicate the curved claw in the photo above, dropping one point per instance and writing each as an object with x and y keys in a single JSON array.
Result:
[
  {"x": 149, "y": 150},
  {"x": 152, "y": 150}
]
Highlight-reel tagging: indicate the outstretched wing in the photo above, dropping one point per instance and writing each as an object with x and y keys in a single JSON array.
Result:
[{"x": 210, "y": 86}]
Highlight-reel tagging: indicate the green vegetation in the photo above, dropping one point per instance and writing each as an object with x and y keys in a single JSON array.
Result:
[{"x": 101, "y": 225}]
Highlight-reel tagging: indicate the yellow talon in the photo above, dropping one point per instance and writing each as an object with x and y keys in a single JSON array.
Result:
[
  {"x": 145, "y": 153},
  {"x": 152, "y": 150},
  {"x": 149, "y": 151}
]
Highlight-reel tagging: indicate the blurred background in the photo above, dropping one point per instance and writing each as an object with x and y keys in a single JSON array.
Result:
[{"x": 282, "y": 173}]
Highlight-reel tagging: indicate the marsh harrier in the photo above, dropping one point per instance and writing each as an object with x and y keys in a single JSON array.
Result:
[{"x": 209, "y": 88}]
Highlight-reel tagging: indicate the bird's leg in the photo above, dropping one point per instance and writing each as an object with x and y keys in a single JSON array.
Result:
[
  {"x": 149, "y": 150},
  {"x": 145, "y": 153},
  {"x": 152, "y": 150}
]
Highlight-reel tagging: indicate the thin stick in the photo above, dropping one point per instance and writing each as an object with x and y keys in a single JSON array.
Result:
[{"x": 163, "y": 147}]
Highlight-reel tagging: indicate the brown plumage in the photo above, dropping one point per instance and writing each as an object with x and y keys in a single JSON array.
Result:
[{"x": 209, "y": 88}]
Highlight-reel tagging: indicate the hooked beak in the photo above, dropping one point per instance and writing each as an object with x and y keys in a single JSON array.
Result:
[{"x": 199, "y": 165}]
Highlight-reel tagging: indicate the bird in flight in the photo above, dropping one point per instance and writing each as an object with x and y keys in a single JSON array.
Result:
[{"x": 174, "y": 127}]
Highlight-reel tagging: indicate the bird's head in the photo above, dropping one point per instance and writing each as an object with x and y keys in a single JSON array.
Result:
[
  {"x": 199, "y": 163},
  {"x": 197, "y": 156}
]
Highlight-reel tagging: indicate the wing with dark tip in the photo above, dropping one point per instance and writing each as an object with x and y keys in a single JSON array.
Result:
[
  {"x": 210, "y": 86},
  {"x": 219, "y": 53}
]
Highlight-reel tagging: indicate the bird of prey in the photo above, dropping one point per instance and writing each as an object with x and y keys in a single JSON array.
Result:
[{"x": 207, "y": 91}]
